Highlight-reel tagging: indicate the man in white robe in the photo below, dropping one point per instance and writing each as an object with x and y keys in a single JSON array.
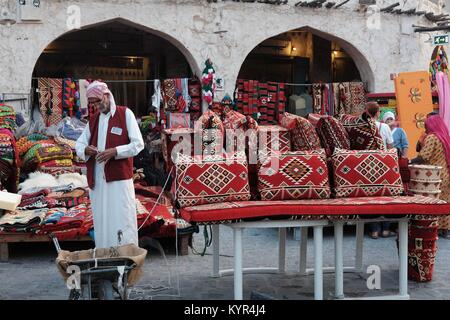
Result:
[{"x": 113, "y": 203}]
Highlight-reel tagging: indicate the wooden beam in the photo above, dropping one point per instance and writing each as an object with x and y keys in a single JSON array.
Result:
[
  {"x": 329, "y": 5},
  {"x": 411, "y": 11},
  {"x": 428, "y": 29},
  {"x": 389, "y": 8},
  {"x": 341, "y": 4},
  {"x": 420, "y": 13}
]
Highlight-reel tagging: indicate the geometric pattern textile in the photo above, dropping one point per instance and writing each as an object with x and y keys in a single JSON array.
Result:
[
  {"x": 362, "y": 132},
  {"x": 294, "y": 175},
  {"x": 317, "y": 208},
  {"x": 366, "y": 173},
  {"x": 303, "y": 133},
  {"x": 273, "y": 138},
  {"x": 212, "y": 178},
  {"x": 332, "y": 134}
]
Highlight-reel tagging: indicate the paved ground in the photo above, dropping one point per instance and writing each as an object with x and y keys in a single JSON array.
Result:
[{"x": 31, "y": 272}]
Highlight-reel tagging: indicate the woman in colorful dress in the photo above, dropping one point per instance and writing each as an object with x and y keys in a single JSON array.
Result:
[{"x": 435, "y": 151}]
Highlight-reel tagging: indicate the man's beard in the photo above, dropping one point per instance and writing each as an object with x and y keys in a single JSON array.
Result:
[{"x": 105, "y": 106}]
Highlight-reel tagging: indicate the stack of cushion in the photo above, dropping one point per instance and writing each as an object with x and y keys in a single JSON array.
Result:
[{"x": 296, "y": 161}]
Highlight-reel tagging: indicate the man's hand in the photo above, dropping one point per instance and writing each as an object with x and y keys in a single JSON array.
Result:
[
  {"x": 106, "y": 155},
  {"x": 90, "y": 151}
]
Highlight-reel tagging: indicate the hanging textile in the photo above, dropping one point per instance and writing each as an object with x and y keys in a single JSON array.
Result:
[
  {"x": 345, "y": 97},
  {"x": 69, "y": 97},
  {"x": 325, "y": 102},
  {"x": 317, "y": 98},
  {"x": 157, "y": 97},
  {"x": 338, "y": 104},
  {"x": 83, "y": 102},
  {"x": 50, "y": 100},
  {"x": 170, "y": 95},
  {"x": 358, "y": 98},
  {"x": 443, "y": 87}
]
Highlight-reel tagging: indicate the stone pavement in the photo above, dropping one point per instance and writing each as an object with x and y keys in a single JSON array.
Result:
[{"x": 31, "y": 272}]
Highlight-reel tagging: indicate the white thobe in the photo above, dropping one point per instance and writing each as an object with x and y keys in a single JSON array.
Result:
[{"x": 113, "y": 203}]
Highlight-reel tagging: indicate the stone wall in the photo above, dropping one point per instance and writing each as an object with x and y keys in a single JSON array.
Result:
[{"x": 225, "y": 31}]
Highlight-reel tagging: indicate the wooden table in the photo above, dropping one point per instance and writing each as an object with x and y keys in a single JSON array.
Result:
[{"x": 7, "y": 238}]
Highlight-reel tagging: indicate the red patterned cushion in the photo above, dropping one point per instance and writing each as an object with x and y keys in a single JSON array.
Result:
[
  {"x": 212, "y": 130},
  {"x": 303, "y": 133},
  {"x": 366, "y": 173},
  {"x": 332, "y": 134},
  {"x": 273, "y": 138},
  {"x": 233, "y": 120},
  {"x": 294, "y": 175},
  {"x": 362, "y": 131},
  {"x": 171, "y": 138},
  {"x": 313, "y": 118},
  {"x": 210, "y": 179}
]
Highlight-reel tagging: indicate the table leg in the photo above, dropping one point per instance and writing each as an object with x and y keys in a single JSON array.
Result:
[
  {"x": 318, "y": 262},
  {"x": 216, "y": 250},
  {"x": 359, "y": 246},
  {"x": 338, "y": 260},
  {"x": 303, "y": 250},
  {"x": 282, "y": 250},
  {"x": 403, "y": 256},
  {"x": 238, "y": 281}
]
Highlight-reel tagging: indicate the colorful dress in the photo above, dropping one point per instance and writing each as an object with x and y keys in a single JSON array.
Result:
[{"x": 434, "y": 154}]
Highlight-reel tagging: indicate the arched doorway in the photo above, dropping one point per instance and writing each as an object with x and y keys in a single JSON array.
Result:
[
  {"x": 125, "y": 55},
  {"x": 309, "y": 55},
  {"x": 297, "y": 59}
]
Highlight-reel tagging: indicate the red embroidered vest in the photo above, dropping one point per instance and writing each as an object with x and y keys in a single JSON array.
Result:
[{"x": 114, "y": 169}]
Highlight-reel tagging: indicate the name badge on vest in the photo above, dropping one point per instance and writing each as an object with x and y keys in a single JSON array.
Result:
[{"x": 117, "y": 131}]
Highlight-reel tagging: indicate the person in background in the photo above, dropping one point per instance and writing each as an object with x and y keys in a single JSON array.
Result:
[
  {"x": 398, "y": 134},
  {"x": 435, "y": 151},
  {"x": 422, "y": 137},
  {"x": 373, "y": 110}
]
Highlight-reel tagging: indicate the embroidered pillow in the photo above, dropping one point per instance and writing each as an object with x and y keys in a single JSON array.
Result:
[
  {"x": 332, "y": 134},
  {"x": 294, "y": 175},
  {"x": 273, "y": 138},
  {"x": 362, "y": 132},
  {"x": 212, "y": 130},
  {"x": 212, "y": 178},
  {"x": 303, "y": 133},
  {"x": 366, "y": 173},
  {"x": 180, "y": 139}
]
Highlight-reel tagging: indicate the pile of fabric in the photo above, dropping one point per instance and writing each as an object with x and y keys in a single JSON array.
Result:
[{"x": 43, "y": 153}]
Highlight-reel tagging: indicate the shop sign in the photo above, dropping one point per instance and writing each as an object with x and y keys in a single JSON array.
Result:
[{"x": 441, "y": 39}]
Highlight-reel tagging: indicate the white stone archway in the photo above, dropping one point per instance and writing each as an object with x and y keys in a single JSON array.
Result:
[
  {"x": 361, "y": 62},
  {"x": 177, "y": 44}
]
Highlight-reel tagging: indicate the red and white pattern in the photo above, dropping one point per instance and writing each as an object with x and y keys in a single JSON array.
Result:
[
  {"x": 332, "y": 134},
  {"x": 209, "y": 179},
  {"x": 212, "y": 130},
  {"x": 303, "y": 133},
  {"x": 366, "y": 173},
  {"x": 362, "y": 132},
  {"x": 273, "y": 138},
  {"x": 182, "y": 139},
  {"x": 233, "y": 120},
  {"x": 307, "y": 209},
  {"x": 294, "y": 175}
]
